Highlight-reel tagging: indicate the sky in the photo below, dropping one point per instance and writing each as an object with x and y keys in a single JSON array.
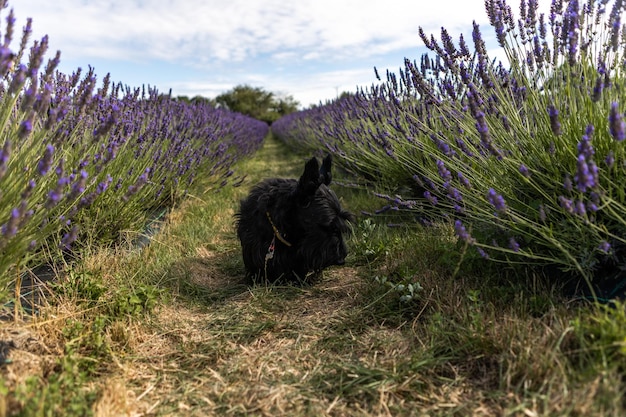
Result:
[{"x": 312, "y": 50}]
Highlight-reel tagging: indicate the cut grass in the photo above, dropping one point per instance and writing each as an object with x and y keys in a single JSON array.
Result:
[{"x": 172, "y": 329}]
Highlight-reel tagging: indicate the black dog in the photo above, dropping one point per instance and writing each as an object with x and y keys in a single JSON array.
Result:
[{"x": 289, "y": 227}]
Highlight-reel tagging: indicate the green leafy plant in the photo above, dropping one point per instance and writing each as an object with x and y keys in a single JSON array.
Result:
[{"x": 408, "y": 289}]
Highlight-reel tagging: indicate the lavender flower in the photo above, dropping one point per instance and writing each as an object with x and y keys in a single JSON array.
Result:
[
  {"x": 463, "y": 49},
  {"x": 454, "y": 193},
  {"x": 524, "y": 171},
  {"x": 19, "y": 78},
  {"x": 496, "y": 200},
  {"x": 571, "y": 28},
  {"x": 604, "y": 246},
  {"x": 482, "y": 253},
  {"x": 462, "y": 233},
  {"x": 5, "y": 153},
  {"x": 104, "y": 184},
  {"x": 616, "y": 123},
  {"x": 579, "y": 208},
  {"x": 566, "y": 203},
  {"x": 69, "y": 238},
  {"x": 443, "y": 171},
  {"x": 554, "y": 120},
  {"x": 513, "y": 245},
  {"x": 138, "y": 185},
  {"x": 584, "y": 146},
  {"x": 567, "y": 183},
  {"x": 586, "y": 174},
  {"x": 464, "y": 181},
  {"x": 461, "y": 144},
  {"x": 26, "y": 126},
  {"x": 615, "y": 22},
  {"x": 431, "y": 198},
  {"x": 79, "y": 186},
  {"x": 54, "y": 196},
  {"x": 46, "y": 161},
  {"x": 9, "y": 229},
  {"x": 597, "y": 89}
]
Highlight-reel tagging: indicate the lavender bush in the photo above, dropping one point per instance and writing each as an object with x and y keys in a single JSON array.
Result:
[
  {"x": 81, "y": 162},
  {"x": 526, "y": 159}
]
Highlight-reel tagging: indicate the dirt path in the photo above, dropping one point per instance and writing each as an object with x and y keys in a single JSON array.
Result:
[{"x": 223, "y": 348}]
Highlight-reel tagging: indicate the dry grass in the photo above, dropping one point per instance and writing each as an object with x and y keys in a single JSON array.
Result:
[{"x": 212, "y": 345}]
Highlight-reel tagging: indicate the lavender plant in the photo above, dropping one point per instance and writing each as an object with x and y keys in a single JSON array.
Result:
[
  {"x": 526, "y": 159},
  {"x": 79, "y": 163}
]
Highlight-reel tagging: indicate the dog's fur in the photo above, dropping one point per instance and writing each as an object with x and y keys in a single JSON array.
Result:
[{"x": 289, "y": 227}]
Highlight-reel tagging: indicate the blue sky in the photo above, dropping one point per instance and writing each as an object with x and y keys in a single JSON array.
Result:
[{"x": 309, "y": 49}]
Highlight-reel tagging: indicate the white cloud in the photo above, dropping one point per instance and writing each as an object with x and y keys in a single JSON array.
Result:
[
  {"x": 235, "y": 30},
  {"x": 267, "y": 43}
]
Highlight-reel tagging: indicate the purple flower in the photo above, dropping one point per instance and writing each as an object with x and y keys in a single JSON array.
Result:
[
  {"x": 610, "y": 159},
  {"x": 513, "y": 245},
  {"x": 9, "y": 229},
  {"x": 566, "y": 203},
  {"x": 482, "y": 253},
  {"x": 584, "y": 146},
  {"x": 591, "y": 206},
  {"x": 604, "y": 246},
  {"x": 29, "y": 189},
  {"x": 555, "y": 125},
  {"x": 597, "y": 89},
  {"x": 19, "y": 77},
  {"x": 443, "y": 171},
  {"x": 616, "y": 123},
  {"x": 79, "y": 186},
  {"x": 570, "y": 29},
  {"x": 462, "y": 233},
  {"x": 138, "y": 185},
  {"x": 579, "y": 208},
  {"x": 615, "y": 21},
  {"x": 461, "y": 144},
  {"x": 46, "y": 161},
  {"x": 104, "y": 184},
  {"x": 496, "y": 200},
  {"x": 26, "y": 127},
  {"x": 54, "y": 196},
  {"x": 464, "y": 180},
  {"x": 585, "y": 175},
  {"x": 454, "y": 193},
  {"x": 444, "y": 147},
  {"x": 524, "y": 171},
  {"x": 567, "y": 183},
  {"x": 430, "y": 197},
  {"x": 5, "y": 153},
  {"x": 69, "y": 238}
]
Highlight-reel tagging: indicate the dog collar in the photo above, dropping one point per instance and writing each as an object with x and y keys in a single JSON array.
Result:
[{"x": 276, "y": 232}]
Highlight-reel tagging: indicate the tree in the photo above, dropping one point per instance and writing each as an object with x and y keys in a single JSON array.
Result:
[
  {"x": 256, "y": 102},
  {"x": 196, "y": 99}
]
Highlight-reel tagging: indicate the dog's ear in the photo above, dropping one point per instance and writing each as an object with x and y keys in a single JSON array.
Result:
[
  {"x": 309, "y": 181},
  {"x": 327, "y": 177}
]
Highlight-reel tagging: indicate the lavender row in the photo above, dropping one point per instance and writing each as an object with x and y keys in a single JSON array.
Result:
[
  {"x": 526, "y": 158},
  {"x": 82, "y": 159}
]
